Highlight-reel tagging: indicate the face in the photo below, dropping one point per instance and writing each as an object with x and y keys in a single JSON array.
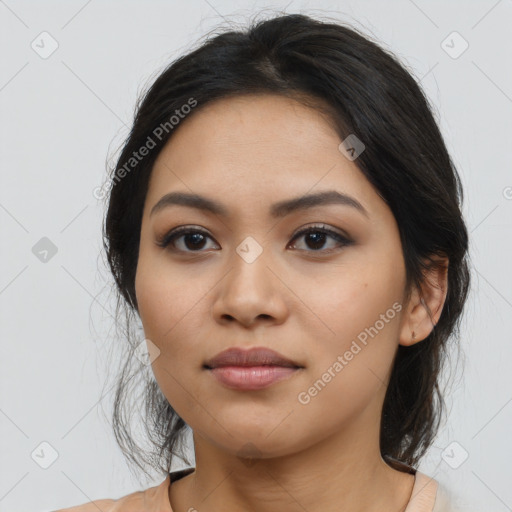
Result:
[{"x": 328, "y": 299}]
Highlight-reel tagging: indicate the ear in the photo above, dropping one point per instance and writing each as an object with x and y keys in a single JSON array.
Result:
[{"x": 426, "y": 304}]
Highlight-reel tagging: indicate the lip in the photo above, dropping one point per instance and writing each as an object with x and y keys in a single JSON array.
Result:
[
  {"x": 256, "y": 356},
  {"x": 251, "y": 369}
]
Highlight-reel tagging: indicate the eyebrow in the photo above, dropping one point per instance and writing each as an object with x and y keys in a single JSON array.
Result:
[{"x": 277, "y": 210}]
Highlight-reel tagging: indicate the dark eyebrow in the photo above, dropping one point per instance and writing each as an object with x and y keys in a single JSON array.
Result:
[{"x": 280, "y": 209}]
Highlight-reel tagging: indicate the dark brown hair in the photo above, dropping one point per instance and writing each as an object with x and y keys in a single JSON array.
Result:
[{"x": 368, "y": 92}]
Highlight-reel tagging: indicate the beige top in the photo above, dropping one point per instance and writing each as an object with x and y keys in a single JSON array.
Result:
[{"x": 424, "y": 498}]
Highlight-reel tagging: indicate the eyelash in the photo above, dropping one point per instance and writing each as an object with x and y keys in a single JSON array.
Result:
[{"x": 166, "y": 240}]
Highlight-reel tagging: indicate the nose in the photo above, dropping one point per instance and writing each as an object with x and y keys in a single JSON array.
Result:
[{"x": 250, "y": 293}]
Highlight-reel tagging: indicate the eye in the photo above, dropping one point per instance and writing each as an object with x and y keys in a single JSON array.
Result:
[
  {"x": 193, "y": 239},
  {"x": 316, "y": 237}
]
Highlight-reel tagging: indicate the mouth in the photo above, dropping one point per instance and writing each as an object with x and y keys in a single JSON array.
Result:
[
  {"x": 256, "y": 356},
  {"x": 252, "y": 369}
]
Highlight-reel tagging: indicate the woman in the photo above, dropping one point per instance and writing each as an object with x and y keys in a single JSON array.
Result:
[{"x": 285, "y": 220}]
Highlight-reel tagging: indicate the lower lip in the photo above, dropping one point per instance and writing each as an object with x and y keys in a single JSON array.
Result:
[{"x": 251, "y": 377}]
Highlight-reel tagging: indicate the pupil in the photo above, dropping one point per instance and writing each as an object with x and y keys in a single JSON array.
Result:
[
  {"x": 196, "y": 237},
  {"x": 318, "y": 239}
]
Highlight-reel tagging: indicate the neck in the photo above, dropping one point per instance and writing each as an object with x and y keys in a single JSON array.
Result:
[{"x": 343, "y": 472}]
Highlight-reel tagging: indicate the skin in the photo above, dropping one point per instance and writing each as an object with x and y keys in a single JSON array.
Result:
[{"x": 307, "y": 303}]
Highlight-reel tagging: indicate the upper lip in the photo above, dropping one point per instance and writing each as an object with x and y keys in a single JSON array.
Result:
[{"x": 257, "y": 356}]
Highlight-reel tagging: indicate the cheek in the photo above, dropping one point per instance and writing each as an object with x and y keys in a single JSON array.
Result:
[
  {"x": 153, "y": 301},
  {"x": 357, "y": 337},
  {"x": 169, "y": 315},
  {"x": 350, "y": 369},
  {"x": 352, "y": 301},
  {"x": 172, "y": 308},
  {"x": 164, "y": 296}
]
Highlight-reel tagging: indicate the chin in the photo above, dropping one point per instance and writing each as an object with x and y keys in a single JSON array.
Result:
[{"x": 253, "y": 443}]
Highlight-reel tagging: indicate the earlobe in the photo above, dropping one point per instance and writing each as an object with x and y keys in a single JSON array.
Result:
[{"x": 425, "y": 306}]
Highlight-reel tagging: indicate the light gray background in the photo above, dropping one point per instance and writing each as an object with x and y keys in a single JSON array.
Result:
[{"x": 61, "y": 117}]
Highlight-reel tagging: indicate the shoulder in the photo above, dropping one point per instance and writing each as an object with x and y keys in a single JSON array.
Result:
[
  {"x": 424, "y": 493},
  {"x": 155, "y": 497},
  {"x": 442, "y": 503},
  {"x": 92, "y": 506},
  {"x": 429, "y": 495},
  {"x": 447, "y": 501}
]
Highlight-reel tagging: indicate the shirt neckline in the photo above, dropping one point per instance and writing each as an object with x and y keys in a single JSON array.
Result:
[{"x": 422, "y": 498}]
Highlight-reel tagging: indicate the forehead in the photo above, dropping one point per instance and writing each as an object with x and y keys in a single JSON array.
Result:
[
  {"x": 242, "y": 121},
  {"x": 256, "y": 149}
]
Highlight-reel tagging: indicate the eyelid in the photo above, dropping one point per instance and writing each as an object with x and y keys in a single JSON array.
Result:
[
  {"x": 164, "y": 239},
  {"x": 341, "y": 237},
  {"x": 321, "y": 227}
]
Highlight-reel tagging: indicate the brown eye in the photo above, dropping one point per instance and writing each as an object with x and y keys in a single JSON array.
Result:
[
  {"x": 193, "y": 239},
  {"x": 315, "y": 238},
  {"x": 189, "y": 239}
]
